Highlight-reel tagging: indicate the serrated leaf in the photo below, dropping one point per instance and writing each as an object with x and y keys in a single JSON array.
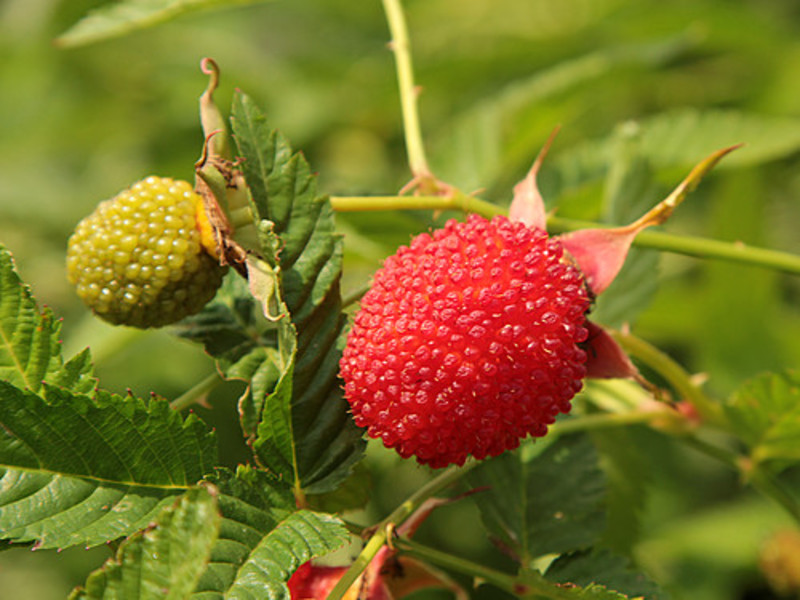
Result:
[
  {"x": 603, "y": 567},
  {"x": 164, "y": 561},
  {"x": 305, "y": 420},
  {"x": 765, "y": 413},
  {"x": 126, "y": 16},
  {"x": 262, "y": 539},
  {"x": 108, "y": 438},
  {"x": 540, "y": 588},
  {"x": 298, "y": 538},
  {"x": 57, "y": 511},
  {"x": 548, "y": 504},
  {"x": 30, "y": 351}
]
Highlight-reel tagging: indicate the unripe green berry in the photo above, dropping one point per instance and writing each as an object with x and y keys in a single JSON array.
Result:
[{"x": 142, "y": 258}]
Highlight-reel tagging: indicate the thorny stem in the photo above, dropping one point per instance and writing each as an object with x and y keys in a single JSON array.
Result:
[
  {"x": 197, "y": 392},
  {"x": 398, "y": 515},
  {"x": 409, "y": 93}
]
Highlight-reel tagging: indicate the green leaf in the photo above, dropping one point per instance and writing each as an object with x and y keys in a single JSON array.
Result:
[
  {"x": 30, "y": 351},
  {"x": 262, "y": 539},
  {"x": 765, "y": 413},
  {"x": 164, "y": 561},
  {"x": 540, "y": 588},
  {"x": 683, "y": 137},
  {"x": 58, "y": 511},
  {"x": 628, "y": 477},
  {"x": 55, "y": 508},
  {"x": 352, "y": 494},
  {"x": 549, "y": 503},
  {"x": 109, "y": 438},
  {"x": 473, "y": 148},
  {"x": 298, "y": 538},
  {"x": 126, "y": 16},
  {"x": 305, "y": 423},
  {"x": 603, "y": 567}
]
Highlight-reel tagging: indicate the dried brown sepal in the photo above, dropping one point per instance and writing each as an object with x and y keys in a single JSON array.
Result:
[{"x": 216, "y": 178}]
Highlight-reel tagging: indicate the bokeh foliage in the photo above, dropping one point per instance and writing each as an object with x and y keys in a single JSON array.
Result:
[{"x": 680, "y": 78}]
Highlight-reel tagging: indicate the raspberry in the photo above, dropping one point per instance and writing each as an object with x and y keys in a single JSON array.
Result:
[
  {"x": 141, "y": 258},
  {"x": 468, "y": 341}
]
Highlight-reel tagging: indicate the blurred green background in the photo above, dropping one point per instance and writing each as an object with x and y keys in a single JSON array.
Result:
[{"x": 80, "y": 124}]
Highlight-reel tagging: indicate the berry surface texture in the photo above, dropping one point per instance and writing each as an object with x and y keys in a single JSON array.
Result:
[
  {"x": 138, "y": 259},
  {"x": 468, "y": 341}
]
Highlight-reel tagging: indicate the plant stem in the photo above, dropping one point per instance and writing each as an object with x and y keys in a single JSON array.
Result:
[
  {"x": 673, "y": 373},
  {"x": 597, "y": 421},
  {"x": 768, "y": 486},
  {"x": 408, "y": 91},
  {"x": 196, "y": 392},
  {"x": 752, "y": 473},
  {"x": 667, "y": 242},
  {"x": 397, "y": 516},
  {"x": 453, "y": 201},
  {"x": 501, "y": 580}
]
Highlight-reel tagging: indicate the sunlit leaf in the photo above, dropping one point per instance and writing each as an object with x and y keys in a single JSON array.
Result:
[
  {"x": 30, "y": 350},
  {"x": 59, "y": 511},
  {"x": 108, "y": 438},
  {"x": 164, "y": 561},
  {"x": 262, "y": 539},
  {"x": 305, "y": 424}
]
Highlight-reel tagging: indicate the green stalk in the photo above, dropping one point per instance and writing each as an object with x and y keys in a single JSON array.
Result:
[
  {"x": 398, "y": 515},
  {"x": 750, "y": 472},
  {"x": 197, "y": 392},
  {"x": 452, "y": 201},
  {"x": 408, "y": 91},
  {"x": 769, "y": 486},
  {"x": 597, "y": 421},
  {"x": 673, "y": 373},
  {"x": 504, "y": 581}
]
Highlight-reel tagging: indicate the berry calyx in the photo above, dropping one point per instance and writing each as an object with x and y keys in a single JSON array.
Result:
[
  {"x": 468, "y": 341},
  {"x": 144, "y": 258}
]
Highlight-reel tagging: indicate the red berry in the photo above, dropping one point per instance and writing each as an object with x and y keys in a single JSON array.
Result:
[{"x": 468, "y": 341}]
